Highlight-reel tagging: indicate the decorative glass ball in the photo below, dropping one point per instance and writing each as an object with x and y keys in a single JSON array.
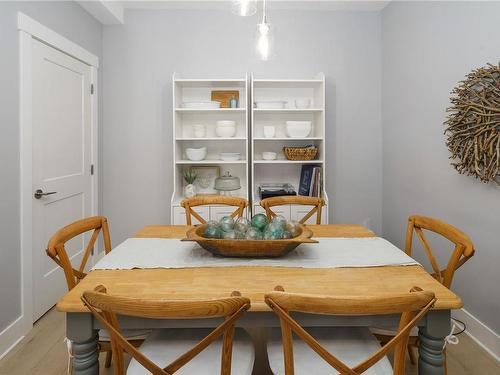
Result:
[
  {"x": 280, "y": 221},
  {"x": 212, "y": 231},
  {"x": 226, "y": 223},
  {"x": 260, "y": 221},
  {"x": 242, "y": 224},
  {"x": 293, "y": 227},
  {"x": 239, "y": 234},
  {"x": 213, "y": 223},
  {"x": 229, "y": 235},
  {"x": 253, "y": 234},
  {"x": 286, "y": 235},
  {"x": 274, "y": 228},
  {"x": 269, "y": 235}
]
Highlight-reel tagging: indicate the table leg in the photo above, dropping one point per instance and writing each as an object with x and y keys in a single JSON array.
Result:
[
  {"x": 84, "y": 339},
  {"x": 431, "y": 338}
]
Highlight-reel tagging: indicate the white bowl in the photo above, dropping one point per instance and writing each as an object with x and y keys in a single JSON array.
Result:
[
  {"x": 230, "y": 156},
  {"x": 271, "y": 104},
  {"x": 298, "y": 129},
  {"x": 225, "y": 123},
  {"x": 302, "y": 103},
  {"x": 268, "y": 155},
  {"x": 196, "y": 154},
  {"x": 225, "y": 128},
  {"x": 200, "y": 104}
]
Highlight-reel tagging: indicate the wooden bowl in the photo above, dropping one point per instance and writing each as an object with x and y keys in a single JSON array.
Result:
[{"x": 248, "y": 248}]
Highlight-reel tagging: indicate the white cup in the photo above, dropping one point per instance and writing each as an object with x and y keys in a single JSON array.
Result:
[
  {"x": 302, "y": 103},
  {"x": 199, "y": 131},
  {"x": 269, "y": 131}
]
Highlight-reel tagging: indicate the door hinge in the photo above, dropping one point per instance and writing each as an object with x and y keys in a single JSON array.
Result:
[
  {"x": 91, "y": 169},
  {"x": 91, "y": 89}
]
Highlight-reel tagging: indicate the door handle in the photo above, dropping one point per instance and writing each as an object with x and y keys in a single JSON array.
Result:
[{"x": 39, "y": 193}]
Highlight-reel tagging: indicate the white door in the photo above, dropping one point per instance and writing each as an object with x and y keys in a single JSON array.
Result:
[{"x": 61, "y": 118}]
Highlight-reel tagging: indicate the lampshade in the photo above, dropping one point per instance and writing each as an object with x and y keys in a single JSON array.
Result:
[{"x": 264, "y": 41}]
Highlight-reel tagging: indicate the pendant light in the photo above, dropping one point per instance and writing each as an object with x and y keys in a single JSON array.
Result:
[
  {"x": 244, "y": 8},
  {"x": 264, "y": 38}
]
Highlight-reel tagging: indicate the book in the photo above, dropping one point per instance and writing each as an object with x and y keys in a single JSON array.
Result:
[
  {"x": 315, "y": 189},
  {"x": 306, "y": 175}
]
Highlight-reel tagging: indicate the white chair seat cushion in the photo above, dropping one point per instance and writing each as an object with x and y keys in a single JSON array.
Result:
[
  {"x": 348, "y": 344},
  {"x": 165, "y": 345},
  {"x": 129, "y": 334}
]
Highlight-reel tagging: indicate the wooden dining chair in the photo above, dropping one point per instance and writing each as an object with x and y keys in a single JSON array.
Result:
[
  {"x": 56, "y": 250},
  {"x": 357, "y": 350},
  {"x": 165, "y": 351},
  {"x": 317, "y": 204},
  {"x": 204, "y": 200},
  {"x": 463, "y": 250}
]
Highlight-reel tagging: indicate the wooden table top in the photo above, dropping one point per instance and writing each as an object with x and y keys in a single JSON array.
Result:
[{"x": 253, "y": 282}]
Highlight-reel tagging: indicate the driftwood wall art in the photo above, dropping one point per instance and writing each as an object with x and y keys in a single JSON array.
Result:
[{"x": 473, "y": 125}]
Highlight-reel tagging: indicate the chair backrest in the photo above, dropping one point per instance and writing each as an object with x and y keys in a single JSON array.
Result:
[
  {"x": 204, "y": 200},
  {"x": 317, "y": 204},
  {"x": 464, "y": 248},
  {"x": 57, "y": 251},
  {"x": 106, "y": 308},
  {"x": 412, "y": 306}
]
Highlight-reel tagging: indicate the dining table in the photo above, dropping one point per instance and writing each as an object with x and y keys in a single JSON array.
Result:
[{"x": 253, "y": 282}]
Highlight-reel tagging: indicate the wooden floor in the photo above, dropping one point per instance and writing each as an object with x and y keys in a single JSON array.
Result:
[{"x": 43, "y": 352}]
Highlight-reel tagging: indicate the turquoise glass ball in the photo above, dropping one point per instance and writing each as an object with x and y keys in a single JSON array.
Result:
[
  {"x": 226, "y": 223},
  {"x": 229, "y": 235},
  {"x": 239, "y": 235},
  {"x": 269, "y": 235},
  {"x": 260, "y": 221},
  {"x": 212, "y": 231},
  {"x": 242, "y": 224},
  {"x": 253, "y": 234},
  {"x": 280, "y": 221},
  {"x": 286, "y": 235}
]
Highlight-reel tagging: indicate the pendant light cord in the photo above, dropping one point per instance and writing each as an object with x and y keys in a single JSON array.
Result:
[{"x": 264, "y": 19}]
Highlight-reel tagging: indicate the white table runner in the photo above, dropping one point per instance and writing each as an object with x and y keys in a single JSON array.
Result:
[{"x": 328, "y": 253}]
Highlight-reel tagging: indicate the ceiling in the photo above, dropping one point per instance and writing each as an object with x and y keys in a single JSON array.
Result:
[
  {"x": 110, "y": 12},
  {"x": 367, "y": 5}
]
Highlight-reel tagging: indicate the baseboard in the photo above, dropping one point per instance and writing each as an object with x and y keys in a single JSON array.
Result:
[
  {"x": 479, "y": 332},
  {"x": 11, "y": 335}
]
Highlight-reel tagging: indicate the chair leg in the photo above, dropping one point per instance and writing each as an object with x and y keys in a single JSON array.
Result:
[
  {"x": 411, "y": 353},
  {"x": 109, "y": 356}
]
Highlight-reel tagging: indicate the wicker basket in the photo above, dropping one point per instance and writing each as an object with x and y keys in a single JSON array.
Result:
[{"x": 300, "y": 153}]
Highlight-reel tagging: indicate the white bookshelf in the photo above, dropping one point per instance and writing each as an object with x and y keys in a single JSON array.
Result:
[
  {"x": 283, "y": 170},
  {"x": 183, "y": 137}
]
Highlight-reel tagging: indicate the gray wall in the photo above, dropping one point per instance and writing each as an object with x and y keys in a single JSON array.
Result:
[
  {"x": 427, "y": 48},
  {"x": 140, "y": 57},
  {"x": 70, "y": 20}
]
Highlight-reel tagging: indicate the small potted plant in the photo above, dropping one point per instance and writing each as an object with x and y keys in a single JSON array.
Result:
[{"x": 190, "y": 177}]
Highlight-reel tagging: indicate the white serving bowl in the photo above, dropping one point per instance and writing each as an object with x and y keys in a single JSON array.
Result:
[
  {"x": 270, "y": 104},
  {"x": 225, "y": 128},
  {"x": 200, "y": 104},
  {"x": 302, "y": 103},
  {"x": 298, "y": 129},
  {"x": 268, "y": 155},
  {"x": 196, "y": 154},
  {"x": 230, "y": 156}
]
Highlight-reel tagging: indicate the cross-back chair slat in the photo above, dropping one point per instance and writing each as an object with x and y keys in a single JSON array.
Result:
[
  {"x": 57, "y": 251},
  {"x": 204, "y": 200},
  {"x": 106, "y": 308},
  {"x": 462, "y": 252},
  {"x": 317, "y": 204},
  {"x": 412, "y": 306}
]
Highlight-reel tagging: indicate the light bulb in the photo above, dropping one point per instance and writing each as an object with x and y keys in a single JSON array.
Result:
[
  {"x": 244, "y": 8},
  {"x": 264, "y": 41}
]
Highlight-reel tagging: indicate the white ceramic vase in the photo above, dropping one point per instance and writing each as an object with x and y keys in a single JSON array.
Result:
[{"x": 189, "y": 191}]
